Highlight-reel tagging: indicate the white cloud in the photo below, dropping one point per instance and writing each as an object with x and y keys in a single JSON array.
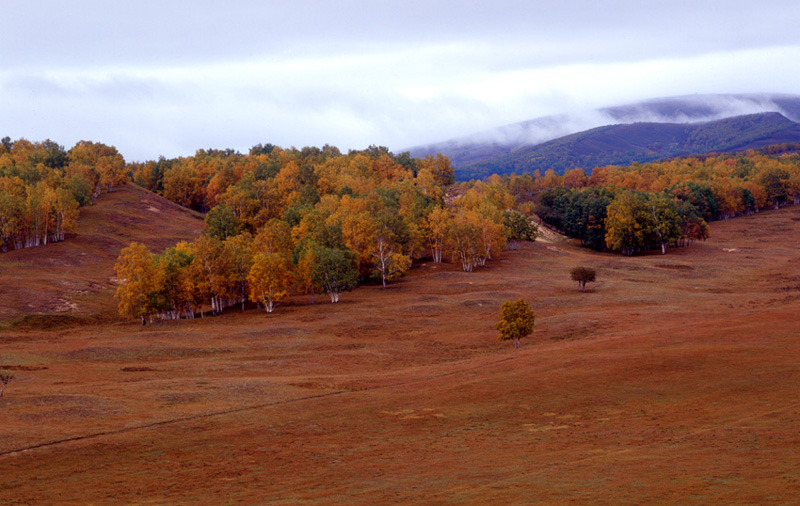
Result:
[{"x": 169, "y": 77}]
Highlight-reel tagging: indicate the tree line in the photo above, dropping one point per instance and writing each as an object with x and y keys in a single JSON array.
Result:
[
  {"x": 42, "y": 186},
  {"x": 658, "y": 205},
  {"x": 308, "y": 221}
]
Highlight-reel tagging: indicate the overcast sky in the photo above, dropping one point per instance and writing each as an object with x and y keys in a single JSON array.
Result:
[{"x": 167, "y": 77}]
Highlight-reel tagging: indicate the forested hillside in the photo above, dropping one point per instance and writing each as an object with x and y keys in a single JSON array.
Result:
[
  {"x": 659, "y": 205},
  {"x": 485, "y": 147},
  {"x": 42, "y": 186},
  {"x": 639, "y": 142},
  {"x": 307, "y": 221},
  {"x": 73, "y": 280},
  {"x": 315, "y": 220}
]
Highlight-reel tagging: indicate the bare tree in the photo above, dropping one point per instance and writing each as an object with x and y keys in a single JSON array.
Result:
[{"x": 4, "y": 379}]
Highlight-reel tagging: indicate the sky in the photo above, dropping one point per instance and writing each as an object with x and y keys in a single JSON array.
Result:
[{"x": 168, "y": 77}]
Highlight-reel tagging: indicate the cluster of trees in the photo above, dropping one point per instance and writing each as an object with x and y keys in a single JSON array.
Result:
[
  {"x": 623, "y": 220},
  {"x": 731, "y": 185},
  {"x": 309, "y": 221},
  {"x": 42, "y": 186},
  {"x": 188, "y": 277},
  {"x": 657, "y": 205},
  {"x": 641, "y": 221}
]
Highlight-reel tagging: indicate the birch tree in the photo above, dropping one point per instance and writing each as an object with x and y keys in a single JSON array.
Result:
[
  {"x": 335, "y": 271},
  {"x": 269, "y": 279},
  {"x": 136, "y": 273}
]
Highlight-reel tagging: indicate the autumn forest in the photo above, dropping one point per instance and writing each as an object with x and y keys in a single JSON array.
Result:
[{"x": 317, "y": 221}]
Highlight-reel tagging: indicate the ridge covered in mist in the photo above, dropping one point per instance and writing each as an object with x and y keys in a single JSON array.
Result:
[
  {"x": 490, "y": 151},
  {"x": 640, "y": 142}
]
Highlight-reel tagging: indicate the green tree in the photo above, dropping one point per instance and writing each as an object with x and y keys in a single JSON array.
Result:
[
  {"x": 516, "y": 320},
  {"x": 692, "y": 225},
  {"x": 627, "y": 223},
  {"x": 583, "y": 275},
  {"x": 6, "y": 144},
  {"x": 518, "y": 228},
  {"x": 335, "y": 270},
  {"x": 700, "y": 195},
  {"x": 172, "y": 297},
  {"x": 664, "y": 223},
  {"x": 775, "y": 183},
  {"x": 578, "y": 213},
  {"x": 222, "y": 223}
]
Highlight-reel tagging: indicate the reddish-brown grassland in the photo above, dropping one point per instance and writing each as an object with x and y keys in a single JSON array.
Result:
[{"x": 673, "y": 380}]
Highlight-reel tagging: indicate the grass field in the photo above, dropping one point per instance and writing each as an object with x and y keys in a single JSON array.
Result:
[{"x": 673, "y": 380}]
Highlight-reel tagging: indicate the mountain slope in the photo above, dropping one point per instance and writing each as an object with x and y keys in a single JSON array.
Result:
[
  {"x": 687, "y": 109},
  {"x": 639, "y": 142},
  {"x": 75, "y": 277}
]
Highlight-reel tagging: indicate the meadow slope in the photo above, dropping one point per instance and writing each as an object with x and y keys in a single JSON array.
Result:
[
  {"x": 674, "y": 380},
  {"x": 74, "y": 279}
]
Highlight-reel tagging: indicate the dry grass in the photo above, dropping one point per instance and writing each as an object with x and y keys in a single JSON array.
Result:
[
  {"x": 672, "y": 380},
  {"x": 50, "y": 285}
]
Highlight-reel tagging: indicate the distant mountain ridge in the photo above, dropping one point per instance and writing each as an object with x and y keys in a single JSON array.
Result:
[
  {"x": 639, "y": 142},
  {"x": 473, "y": 153}
]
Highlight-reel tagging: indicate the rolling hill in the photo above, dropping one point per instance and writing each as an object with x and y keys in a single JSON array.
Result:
[
  {"x": 483, "y": 147},
  {"x": 73, "y": 279},
  {"x": 639, "y": 142}
]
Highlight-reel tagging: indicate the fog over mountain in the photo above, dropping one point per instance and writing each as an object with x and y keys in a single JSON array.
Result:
[
  {"x": 684, "y": 109},
  {"x": 167, "y": 77}
]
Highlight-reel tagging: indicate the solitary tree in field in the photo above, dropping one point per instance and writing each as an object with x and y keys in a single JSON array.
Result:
[
  {"x": 4, "y": 379},
  {"x": 583, "y": 275},
  {"x": 516, "y": 320}
]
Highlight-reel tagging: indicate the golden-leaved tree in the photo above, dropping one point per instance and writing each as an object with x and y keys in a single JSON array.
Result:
[
  {"x": 136, "y": 273},
  {"x": 269, "y": 279},
  {"x": 516, "y": 320}
]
